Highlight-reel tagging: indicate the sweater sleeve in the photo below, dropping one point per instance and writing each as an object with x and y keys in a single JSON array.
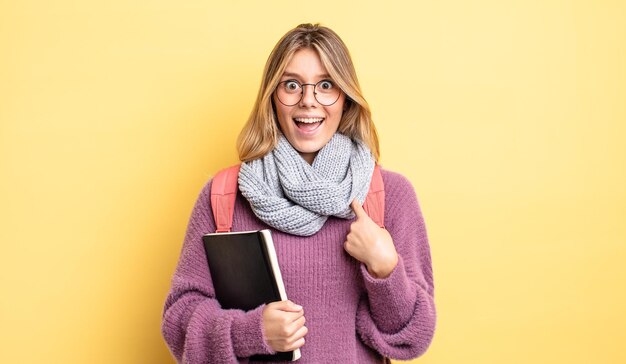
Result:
[
  {"x": 397, "y": 316},
  {"x": 194, "y": 326}
]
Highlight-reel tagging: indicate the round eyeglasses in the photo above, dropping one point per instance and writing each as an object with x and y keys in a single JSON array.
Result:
[{"x": 290, "y": 92}]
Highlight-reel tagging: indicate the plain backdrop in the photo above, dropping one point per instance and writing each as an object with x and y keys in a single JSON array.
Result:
[{"x": 508, "y": 117}]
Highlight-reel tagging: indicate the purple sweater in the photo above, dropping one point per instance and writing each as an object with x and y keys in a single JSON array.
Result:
[{"x": 351, "y": 316}]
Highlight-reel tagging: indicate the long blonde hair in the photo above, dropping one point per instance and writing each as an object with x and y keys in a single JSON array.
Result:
[{"x": 260, "y": 133}]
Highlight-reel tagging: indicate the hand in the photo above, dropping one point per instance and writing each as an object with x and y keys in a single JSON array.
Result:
[
  {"x": 369, "y": 243},
  {"x": 283, "y": 325}
]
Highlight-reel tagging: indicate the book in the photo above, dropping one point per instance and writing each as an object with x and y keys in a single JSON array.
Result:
[{"x": 245, "y": 274}]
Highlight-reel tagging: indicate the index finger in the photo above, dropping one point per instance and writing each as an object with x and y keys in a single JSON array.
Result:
[{"x": 358, "y": 208}]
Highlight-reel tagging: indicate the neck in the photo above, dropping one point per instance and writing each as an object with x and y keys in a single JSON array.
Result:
[{"x": 308, "y": 157}]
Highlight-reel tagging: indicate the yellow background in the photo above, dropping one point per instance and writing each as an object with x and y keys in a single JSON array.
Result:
[{"x": 508, "y": 117}]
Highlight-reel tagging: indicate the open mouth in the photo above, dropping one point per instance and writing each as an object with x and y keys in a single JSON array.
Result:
[{"x": 308, "y": 124}]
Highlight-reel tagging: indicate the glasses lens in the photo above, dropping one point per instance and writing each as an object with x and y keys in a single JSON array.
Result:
[
  {"x": 326, "y": 92},
  {"x": 289, "y": 92}
]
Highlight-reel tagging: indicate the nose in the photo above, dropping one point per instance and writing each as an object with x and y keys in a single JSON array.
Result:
[{"x": 308, "y": 96}]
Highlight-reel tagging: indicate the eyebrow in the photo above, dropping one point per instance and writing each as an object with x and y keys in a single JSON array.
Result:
[{"x": 291, "y": 74}]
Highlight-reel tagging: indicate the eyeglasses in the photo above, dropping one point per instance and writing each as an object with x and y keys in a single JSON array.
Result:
[{"x": 290, "y": 92}]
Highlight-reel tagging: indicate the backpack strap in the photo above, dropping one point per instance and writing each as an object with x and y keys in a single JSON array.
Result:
[
  {"x": 224, "y": 191},
  {"x": 375, "y": 201}
]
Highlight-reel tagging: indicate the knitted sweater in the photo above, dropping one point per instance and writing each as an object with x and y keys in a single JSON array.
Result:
[{"x": 352, "y": 317}]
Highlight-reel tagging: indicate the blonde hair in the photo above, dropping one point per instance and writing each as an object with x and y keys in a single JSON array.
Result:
[{"x": 260, "y": 133}]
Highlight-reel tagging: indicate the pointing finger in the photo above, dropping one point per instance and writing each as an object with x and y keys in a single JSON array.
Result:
[{"x": 358, "y": 208}]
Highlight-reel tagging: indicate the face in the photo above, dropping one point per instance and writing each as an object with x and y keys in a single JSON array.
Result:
[{"x": 308, "y": 125}]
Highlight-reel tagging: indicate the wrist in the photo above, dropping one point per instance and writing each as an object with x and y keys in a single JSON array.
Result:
[
  {"x": 383, "y": 268},
  {"x": 248, "y": 333}
]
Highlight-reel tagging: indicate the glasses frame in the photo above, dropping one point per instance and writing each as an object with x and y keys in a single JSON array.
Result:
[{"x": 302, "y": 85}]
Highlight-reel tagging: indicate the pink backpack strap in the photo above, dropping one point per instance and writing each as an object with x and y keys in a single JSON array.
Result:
[
  {"x": 375, "y": 201},
  {"x": 223, "y": 193}
]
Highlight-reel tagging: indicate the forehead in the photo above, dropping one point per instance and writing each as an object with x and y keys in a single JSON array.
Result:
[{"x": 306, "y": 63}]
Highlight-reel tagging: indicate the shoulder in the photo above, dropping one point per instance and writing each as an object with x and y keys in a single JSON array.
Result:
[
  {"x": 400, "y": 198},
  {"x": 205, "y": 191},
  {"x": 396, "y": 184},
  {"x": 202, "y": 205},
  {"x": 225, "y": 181},
  {"x": 393, "y": 177}
]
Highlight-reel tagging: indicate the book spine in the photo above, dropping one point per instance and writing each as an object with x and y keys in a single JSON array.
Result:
[{"x": 273, "y": 263}]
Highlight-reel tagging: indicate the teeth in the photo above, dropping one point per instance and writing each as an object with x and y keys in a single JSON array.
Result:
[{"x": 308, "y": 120}]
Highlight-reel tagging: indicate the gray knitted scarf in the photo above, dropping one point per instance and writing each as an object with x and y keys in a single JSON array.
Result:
[{"x": 293, "y": 196}]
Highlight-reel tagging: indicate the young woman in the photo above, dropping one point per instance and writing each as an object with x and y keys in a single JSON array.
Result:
[{"x": 358, "y": 293}]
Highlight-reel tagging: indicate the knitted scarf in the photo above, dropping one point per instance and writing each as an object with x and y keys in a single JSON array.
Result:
[{"x": 296, "y": 197}]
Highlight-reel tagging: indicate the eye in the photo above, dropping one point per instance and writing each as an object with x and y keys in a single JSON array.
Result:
[
  {"x": 326, "y": 85},
  {"x": 292, "y": 85}
]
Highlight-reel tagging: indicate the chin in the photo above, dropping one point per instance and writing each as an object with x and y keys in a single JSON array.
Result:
[{"x": 308, "y": 148}]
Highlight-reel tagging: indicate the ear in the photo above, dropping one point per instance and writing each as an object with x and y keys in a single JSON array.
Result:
[{"x": 346, "y": 103}]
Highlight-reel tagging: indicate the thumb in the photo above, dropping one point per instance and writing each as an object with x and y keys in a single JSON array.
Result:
[
  {"x": 288, "y": 306},
  {"x": 358, "y": 209}
]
